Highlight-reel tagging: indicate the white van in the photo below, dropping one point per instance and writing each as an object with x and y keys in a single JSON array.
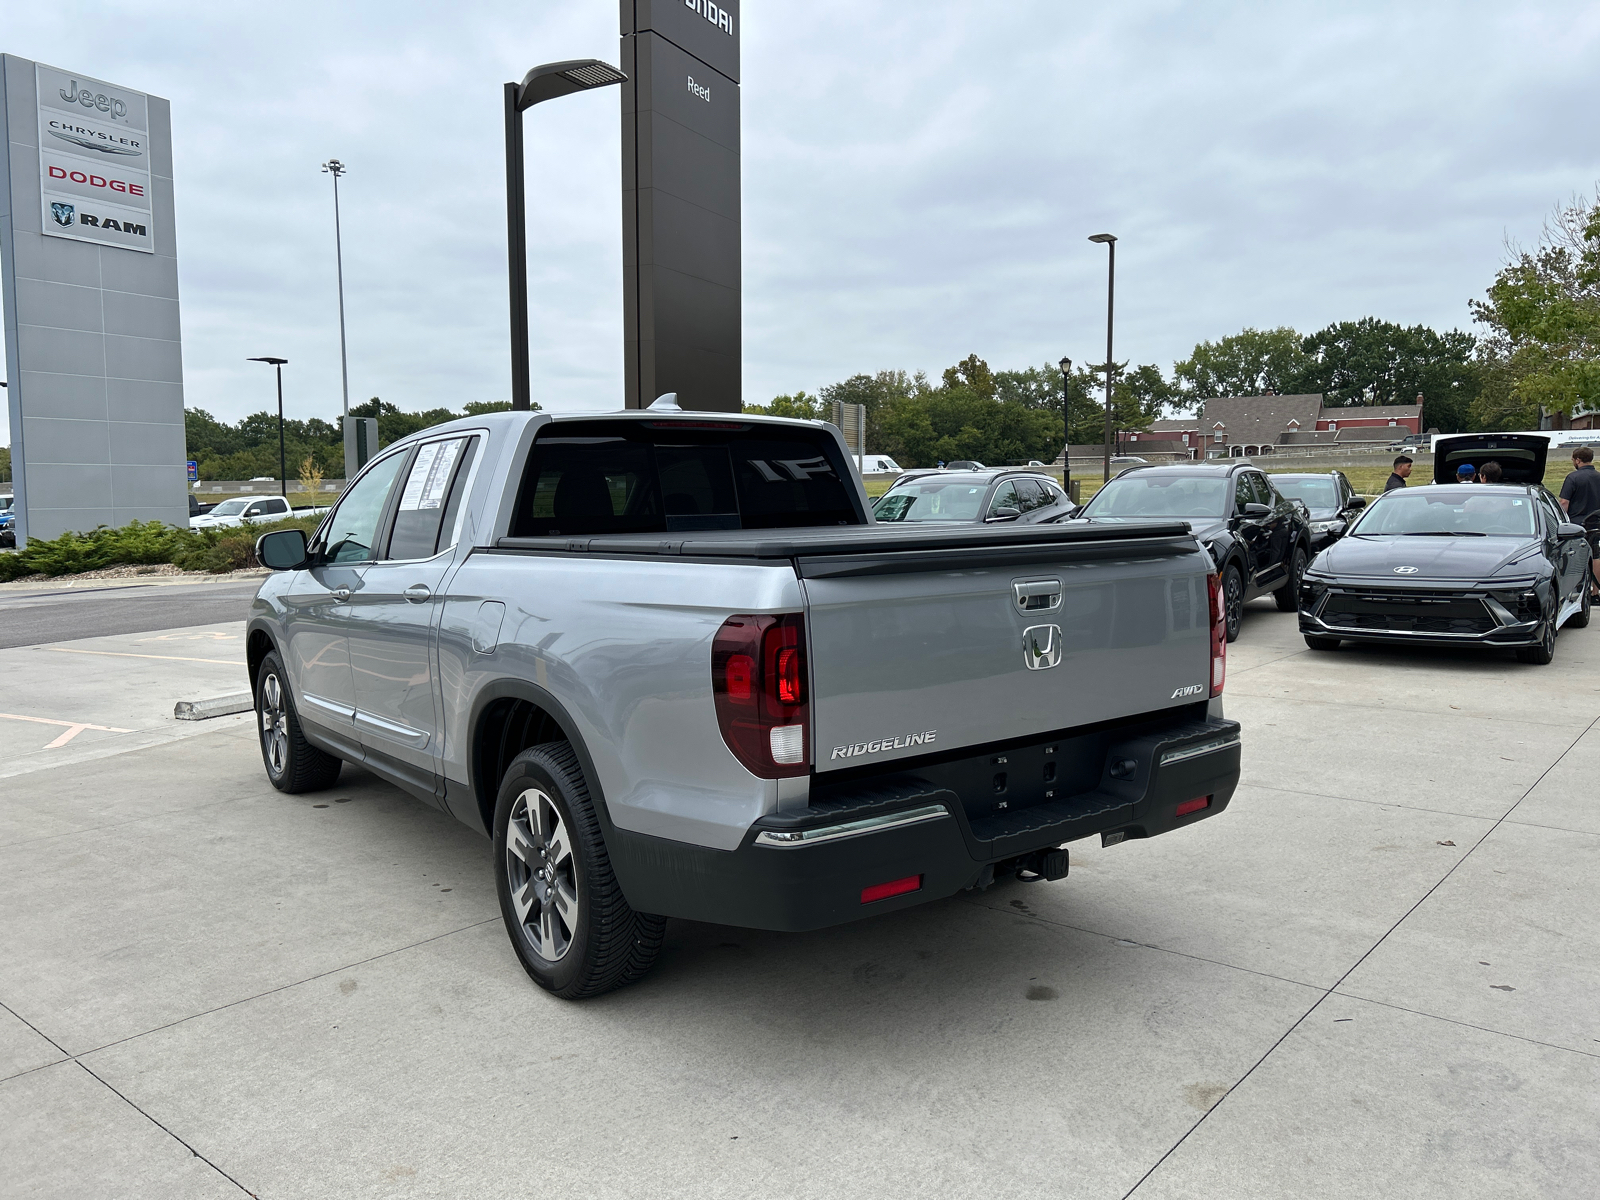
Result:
[{"x": 879, "y": 464}]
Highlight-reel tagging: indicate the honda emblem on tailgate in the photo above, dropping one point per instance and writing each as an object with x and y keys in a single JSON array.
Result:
[{"x": 1041, "y": 646}]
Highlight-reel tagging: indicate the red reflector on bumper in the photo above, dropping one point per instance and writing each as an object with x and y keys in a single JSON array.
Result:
[
  {"x": 1195, "y": 805},
  {"x": 897, "y": 887}
]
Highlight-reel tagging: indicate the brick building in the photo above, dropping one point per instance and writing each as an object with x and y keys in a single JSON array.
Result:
[{"x": 1246, "y": 426}]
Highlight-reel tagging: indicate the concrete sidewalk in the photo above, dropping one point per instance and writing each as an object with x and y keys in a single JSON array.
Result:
[{"x": 1373, "y": 976}]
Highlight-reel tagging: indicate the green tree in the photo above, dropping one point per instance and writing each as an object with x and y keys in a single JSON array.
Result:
[
  {"x": 1543, "y": 316},
  {"x": 1369, "y": 361},
  {"x": 799, "y": 406},
  {"x": 1251, "y": 362}
]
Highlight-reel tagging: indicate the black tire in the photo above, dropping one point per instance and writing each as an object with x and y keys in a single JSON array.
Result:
[
  {"x": 1541, "y": 654},
  {"x": 1321, "y": 643},
  {"x": 1232, "y": 600},
  {"x": 293, "y": 764},
  {"x": 1288, "y": 596},
  {"x": 1580, "y": 619},
  {"x": 568, "y": 921}
]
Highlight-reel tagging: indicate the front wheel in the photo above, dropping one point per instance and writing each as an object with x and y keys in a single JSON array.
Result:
[
  {"x": 1580, "y": 619},
  {"x": 1233, "y": 601},
  {"x": 1541, "y": 654},
  {"x": 572, "y": 929},
  {"x": 293, "y": 764},
  {"x": 1288, "y": 596}
]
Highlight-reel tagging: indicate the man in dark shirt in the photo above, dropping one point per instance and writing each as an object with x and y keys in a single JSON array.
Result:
[
  {"x": 1402, "y": 468},
  {"x": 1580, "y": 496}
]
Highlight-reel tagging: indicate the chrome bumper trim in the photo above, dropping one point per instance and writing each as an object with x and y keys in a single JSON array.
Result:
[
  {"x": 1211, "y": 746},
  {"x": 791, "y": 839}
]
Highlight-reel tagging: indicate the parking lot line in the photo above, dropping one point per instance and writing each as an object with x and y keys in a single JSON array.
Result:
[
  {"x": 73, "y": 728},
  {"x": 225, "y": 662}
]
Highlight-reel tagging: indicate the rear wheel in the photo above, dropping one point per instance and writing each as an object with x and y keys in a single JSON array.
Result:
[
  {"x": 1541, "y": 654},
  {"x": 1232, "y": 601},
  {"x": 1322, "y": 643},
  {"x": 293, "y": 764},
  {"x": 572, "y": 929},
  {"x": 1288, "y": 596}
]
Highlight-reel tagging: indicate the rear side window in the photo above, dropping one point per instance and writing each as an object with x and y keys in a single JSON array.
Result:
[
  {"x": 592, "y": 477},
  {"x": 422, "y": 524}
]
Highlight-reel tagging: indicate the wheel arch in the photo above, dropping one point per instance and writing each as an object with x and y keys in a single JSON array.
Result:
[
  {"x": 258, "y": 643},
  {"x": 508, "y": 717}
]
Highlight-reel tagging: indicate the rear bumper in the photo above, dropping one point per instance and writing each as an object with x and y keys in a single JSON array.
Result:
[{"x": 808, "y": 868}]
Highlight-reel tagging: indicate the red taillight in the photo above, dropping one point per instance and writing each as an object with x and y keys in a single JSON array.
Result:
[
  {"x": 1195, "y": 805},
  {"x": 895, "y": 887},
  {"x": 1219, "y": 634},
  {"x": 758, "y": 682},
  {"x": 788, "y": 673}
]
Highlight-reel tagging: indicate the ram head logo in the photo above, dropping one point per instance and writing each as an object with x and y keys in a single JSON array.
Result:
[{"x": 62, "y": 213}]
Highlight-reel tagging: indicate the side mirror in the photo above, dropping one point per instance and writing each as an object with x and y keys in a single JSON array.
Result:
[
  {"x": 284, "y": 550},
  {"x": 1357, "y": 502},
  {"x": 1258, "y": 510},
  {"x": 1004, "y": 514},
  {"x": 1568, "y": 530}
]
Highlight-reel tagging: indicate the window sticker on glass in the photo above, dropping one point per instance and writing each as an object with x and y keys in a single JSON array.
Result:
[{"x": 430, "y": 476}]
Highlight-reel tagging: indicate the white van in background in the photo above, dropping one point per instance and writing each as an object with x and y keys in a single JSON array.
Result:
[{"x": 879, "y": 464}]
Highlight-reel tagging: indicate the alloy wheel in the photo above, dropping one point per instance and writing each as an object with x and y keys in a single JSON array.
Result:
[
  {"x": 1233, "y": 602},
  {"x": 274, "y": 725},
  {"x": 542, "y": 874}
]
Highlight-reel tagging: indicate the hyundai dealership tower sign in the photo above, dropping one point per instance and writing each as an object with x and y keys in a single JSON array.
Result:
[
  {"x": 89, "y": 272},
  {"x": 680, "y": 202}
]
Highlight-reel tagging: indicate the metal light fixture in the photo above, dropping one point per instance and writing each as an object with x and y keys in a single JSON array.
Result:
[
  {"x": 336, "y": 168},
  {"x": 1109, "y": 241},
  {"x": 283, "y": 466},
  {"x": 545, "y": 82}
]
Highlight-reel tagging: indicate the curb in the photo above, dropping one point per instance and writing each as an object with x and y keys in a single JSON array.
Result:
[{"x": 218, "y": 706}]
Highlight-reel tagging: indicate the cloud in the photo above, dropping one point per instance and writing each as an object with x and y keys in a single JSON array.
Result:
[{"x": 918, "y": 180}]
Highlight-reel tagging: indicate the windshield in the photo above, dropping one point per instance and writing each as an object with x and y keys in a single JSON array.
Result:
[
  {"x": 932, "y": 500},
  {"x": 1147, "y": 494},
  {"x": 1313, "y": 493},
  {"x": 1481, "y": 511},
  {"x": 229, "y": 508}
]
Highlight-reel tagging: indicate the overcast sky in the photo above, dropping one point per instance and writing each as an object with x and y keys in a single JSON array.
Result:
[{"x": 919, "y": 179}]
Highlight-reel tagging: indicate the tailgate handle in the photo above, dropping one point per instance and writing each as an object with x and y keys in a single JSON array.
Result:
[{"x": 1037, "y": 595}]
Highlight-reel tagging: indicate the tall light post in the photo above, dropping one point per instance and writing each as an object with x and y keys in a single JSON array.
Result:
[
  {"x": 1066, "y": 425},
  {"x": 1110, "y": 242},
  {"x": 545, "y": 82},
  {"x": 336, "y": 168},
  {"x": 283, "y": 465}
]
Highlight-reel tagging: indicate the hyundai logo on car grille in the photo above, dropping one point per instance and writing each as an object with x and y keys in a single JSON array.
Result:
[{"x": 1405, "y": 570}]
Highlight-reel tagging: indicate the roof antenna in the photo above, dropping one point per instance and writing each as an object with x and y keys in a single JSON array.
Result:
[{"x": 667, "y": 402}]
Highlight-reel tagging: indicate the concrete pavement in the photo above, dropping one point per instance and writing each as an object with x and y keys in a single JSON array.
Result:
[{"x": 1372, "y": 976}]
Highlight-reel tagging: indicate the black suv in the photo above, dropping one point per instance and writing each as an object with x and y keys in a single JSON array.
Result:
[
  {"x": 1259, "y": 539},
  {"x": 993, "y": 494}
]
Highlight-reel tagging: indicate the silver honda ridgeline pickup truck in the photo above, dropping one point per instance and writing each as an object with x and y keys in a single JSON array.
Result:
[{"x": 671, "y": 666}]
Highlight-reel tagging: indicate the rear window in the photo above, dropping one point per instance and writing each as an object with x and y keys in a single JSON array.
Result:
[{"x": 594, "y": 477}]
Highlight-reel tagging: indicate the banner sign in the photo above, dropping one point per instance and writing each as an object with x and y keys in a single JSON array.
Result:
[{"x": 94, "y": 161}]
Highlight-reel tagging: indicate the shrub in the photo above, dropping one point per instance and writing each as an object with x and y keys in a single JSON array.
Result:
[{"x": 143, "y": 543}]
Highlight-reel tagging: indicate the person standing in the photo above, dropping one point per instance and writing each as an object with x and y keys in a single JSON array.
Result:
[
  {"x": 1402, "y": 468},
  {"x": 1580, "y": 497}
]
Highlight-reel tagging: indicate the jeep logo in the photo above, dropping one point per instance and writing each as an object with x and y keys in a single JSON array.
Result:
[{"x": 1194, "y": 689}]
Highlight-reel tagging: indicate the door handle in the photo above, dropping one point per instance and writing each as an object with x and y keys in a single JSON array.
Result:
[
  {"x": 341, "y": 593},
  {"x": 417, "y": 592}
]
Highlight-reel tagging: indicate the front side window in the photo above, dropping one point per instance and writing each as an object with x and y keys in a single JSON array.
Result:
[
  {"x": 353, "y": 528},
  {"x": 1005, "y": 496}
]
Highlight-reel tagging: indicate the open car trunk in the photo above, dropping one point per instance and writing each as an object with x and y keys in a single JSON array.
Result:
[{"x": 1521, "y": 455}]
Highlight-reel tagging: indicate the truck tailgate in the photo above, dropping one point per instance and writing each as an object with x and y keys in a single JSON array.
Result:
[{"x": 916, "y": 653}]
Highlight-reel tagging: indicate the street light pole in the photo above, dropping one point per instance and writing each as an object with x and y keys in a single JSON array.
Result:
[
  {"x": 1110, "y": 242},
  {"x": 544, "y": 82},
  {"x": 1066, "y": 425},
  {"x": 336, "y": 168},
  {"x": 283, "y": 466}
]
